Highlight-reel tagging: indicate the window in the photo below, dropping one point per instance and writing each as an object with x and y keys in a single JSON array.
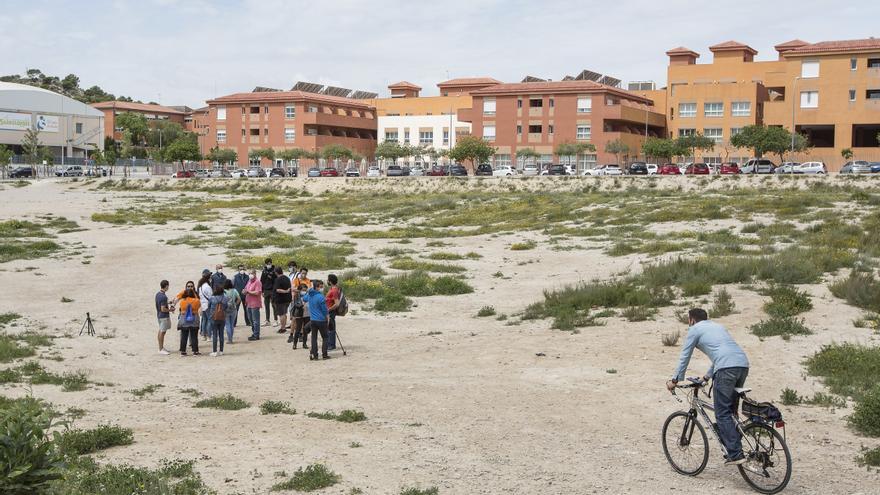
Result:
[
  {"x": 735, "y": 130},
  {"x": 518, "y": 103},
  {"x": 289, "y": 134},
  {"x": 551, "y": 102},
  {"x": 266, "y": 131},
  {"x": 79, "y": 128},
  {"x": 243, "y": 132},
  {"x": 686, "y": 132},
  {"x": 809, "y": 99},
  {"x": 535, "y": 129},
  {"x": 255, "y": 109},
  {"x": 874, "y": 63},
  {"x": 550, "y": 129},
  {"x": 391, "y": 135},
  {"x": 852, "y": 95},
  {"x": 289, "y": 111},
  {"x": 853, "y": 64},
  {"x": 714, "y": 133},
  {"x": 518, "y": 130},
  {"x": 583, "y": 133},
  {"x": 221, "y": 112},
  {"x": 687, "y": 110},
  {"x": 585, "y": 105},
  {"x": 489, "y": 133},
  {"x": 488, "y": 107},
  {"x": 741, "y": 108},
  {"x": 221, "y": 136},
  {"x": 810, "y": 68},
  {"x": 266, "y": 109},
  {"x": 445, "y": 137},
  {"x": 502, "y": 160},
  {"x": 312, "y": 109},
  {"x": 255, "y": 132},
  {"x": 872, "y": 94},
  {"x": 587, "y": 161},
  {"x": 536, "y": 103},
  {"x": 406, "y": 136},
  {"x": 714, "y": 109},
  {"x": 426, "y": 137}
]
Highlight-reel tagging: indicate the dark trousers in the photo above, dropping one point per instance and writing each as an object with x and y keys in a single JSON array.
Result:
[
  {"x": 331, "y": 331},
  {"x": 318, "y": 327},
  {"x": 247, "y": 316},
  {"x": 300, "y": 329},
  {"x": 191, "y": 333},
  {"x": 217, "y": 334},
  {"x": 726, "y": 405},
  {"x": 267, "y": 302}
]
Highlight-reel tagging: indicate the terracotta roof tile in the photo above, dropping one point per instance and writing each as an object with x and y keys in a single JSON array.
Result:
[
  {"x": 788, "y": 45},
  {"x": 732, "y": 45},
  {"x": 289, "y": 96},
  {"x": 867, "y": 44},
  {"x": 469, "y": 81},
  {"x": 404, "y": 85},
  {"x": 137, "y": 107},
  {"x": 682, "y": 51},
  {"x": 555, "y": 87}
]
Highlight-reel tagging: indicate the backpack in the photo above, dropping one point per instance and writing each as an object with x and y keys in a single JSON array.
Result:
[
  {"x": 342, "y": 308},
  {"x": 189, "y": 317},
  {"x": 219, "y": 313}
]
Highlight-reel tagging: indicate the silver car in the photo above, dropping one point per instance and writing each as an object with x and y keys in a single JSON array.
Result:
[
  {"x": 858, "y": 167},
  {"x": 256, "y": 172}
]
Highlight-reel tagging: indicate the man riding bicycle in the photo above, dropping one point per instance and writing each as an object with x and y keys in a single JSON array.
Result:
[{"x": 729, "y": 369}]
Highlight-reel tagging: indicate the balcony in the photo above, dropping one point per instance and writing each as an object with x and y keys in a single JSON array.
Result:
[
  {"x": 338, "y": 120},
  {"x": 634, "y": 114}
]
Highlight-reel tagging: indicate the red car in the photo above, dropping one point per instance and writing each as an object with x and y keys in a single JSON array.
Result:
[
  {"x": 697, "y": 169},
  {"x": 669, "y": 169},
  {"x": 329, "y": 172},
  {"x": 729, "y": 169},
  {"x": 438, "y": 171},
  {"x": 183, "y": 174}
]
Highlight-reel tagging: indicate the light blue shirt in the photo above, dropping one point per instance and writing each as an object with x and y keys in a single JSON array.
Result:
[{"x": 715, "y": 342}]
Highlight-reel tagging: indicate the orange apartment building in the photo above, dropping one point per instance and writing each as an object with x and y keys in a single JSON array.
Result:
[
  {"x": 828, "y": 91},
  {"x": 152, "y": 113},
  {"x": 541, "y": 115},
  {"x": 289, "y": 119}
]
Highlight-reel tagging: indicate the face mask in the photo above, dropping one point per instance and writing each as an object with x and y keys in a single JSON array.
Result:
[
  {"x": 241, "y": 272},
  {"x": 219, "y": 270},
  {"x": 253, "y": 276}
]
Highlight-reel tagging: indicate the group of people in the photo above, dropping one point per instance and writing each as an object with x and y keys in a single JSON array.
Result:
[{"x": 210, "y": 308}]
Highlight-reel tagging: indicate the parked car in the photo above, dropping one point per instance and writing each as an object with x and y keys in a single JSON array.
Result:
[
  {"x": 458, "y": 171},
  {"x": 277, "y": 172},
  {"x": 557, "y": 169},
  {"x": 292, "y": 171},
  {"x": 530, "y": 169},
  {"x": 374, "y": 171},
  {"x": 314, "y": 172},
  {"x": 858, "y": 167},
  {"x": 811, "y": 168},
  {"x": 439, "y": 171},
  {"x": 183, "y": 174},
  {"x": 483, "y": 169},
  {"x": 875, "y": 167},
  {"x": 758, "y": 165},
  {"x": 729, "y": 168},
  {"x": 697, "y": 169},
  {"x": 787, "y": 168},
  {"x": 70, "y": 171},
  {"x": 653, "y": 169},
  {"x": 329, "y": 172},
  {"x": 609, "y": 169},
  {"x": 202, "y": 173},
  {"x": 239, "y": 173},
  {"x": 95, "y": 172},
  {"x": 504, "y": 171},
  {"x": 22, "y": 172},
  {"x": 394, "y": 171},
  {"x": 352, "y": 172},
  {"x": 256, "y": 172},
  {"x": 669, "y": 169},
  {"x": 637, "y": 168},
  {"x": 417, "y": 171}
]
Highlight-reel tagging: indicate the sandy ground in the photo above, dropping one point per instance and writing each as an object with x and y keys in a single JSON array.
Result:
[{"x": 471, "y": 410}]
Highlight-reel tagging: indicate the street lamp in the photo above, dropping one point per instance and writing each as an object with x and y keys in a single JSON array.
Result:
[{"x": 793, "y": 107}]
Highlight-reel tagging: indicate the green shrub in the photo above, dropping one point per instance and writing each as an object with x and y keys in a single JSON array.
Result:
[
  {"x": 861, "y": 290},
  {"x": 786, "y": 301},
  {"x": 409, "y": 264},
  {"x": 175, "y": 477},
  {"x": 849, "y": 370},
  {"x": 146, "y": 390},
  {"x": 79, "y": 442},
  {"x": 227, "y": 402},
  {"x": 866, "y": 413},
  {"x": 26, "y": 250},
  {"x": 313, "y": 477},
  {"x": 276, "y": 407},
  {"x": 200, "y": 228},
  {"x": 10, "y": 349},
  {"x": 392, "y": 302},
  {"x": 29, "y": 461},
  {"x": 523, "y": 246},
  {"x": 790, "y": 397},
  {"x": 869, "y": 457},
  {"x": 345, "y": 416},
  {"x": 723, "y": 304},
  {"x": 486, "y": 311},
  {"x": 670, "y": 339},
  {"x": 638, "y": 313},
  {"x": 825, "y": 400},
  {"x": 784, "y": 327},
  {"x": 451, "y": 286},
  {"x": 7, "y": 318},
  {"x": 696, "y": 287},
  {"x": 445, "y": 256}
]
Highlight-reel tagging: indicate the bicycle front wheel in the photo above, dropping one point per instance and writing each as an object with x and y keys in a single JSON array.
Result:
[
  {"x": 768, "y": 465},
  {"x": 685, "y": 443}
]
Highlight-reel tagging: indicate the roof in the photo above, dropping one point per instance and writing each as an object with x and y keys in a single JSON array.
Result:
[
  {"x": 289, "y": 96},
  {"x": 26, "y": 98},
  {"x": 469, "y": 81},
  {"x": 556, "y": 87},
  {"x": 867, "y": 44},
  {"x": 788, "y": 45},
  {"x": 135, "y": 107},
  {"x": 404, "y": 85},
  {"x": 732, "y": 45},
  {"x": 682, "y": 51}
]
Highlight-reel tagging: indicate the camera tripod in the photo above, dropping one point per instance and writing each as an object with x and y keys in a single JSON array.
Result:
[{"x": 88, "y": 326}]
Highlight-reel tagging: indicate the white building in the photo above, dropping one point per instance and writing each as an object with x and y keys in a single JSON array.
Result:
[
  {"x": 68, "y": 127},
  {"x": 421, "y": 130}
]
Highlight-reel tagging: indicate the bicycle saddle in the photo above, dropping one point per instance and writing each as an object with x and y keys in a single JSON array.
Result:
[{"x": 741, "y": 390}]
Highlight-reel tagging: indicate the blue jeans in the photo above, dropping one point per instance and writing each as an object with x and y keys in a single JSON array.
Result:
[
  {"x": 217, "y": 333},
  {"x": 255, "y": 321},
  {"x": 331, "y": 331},
  {"x": 205, "y": 324},
  {"x": 230, "y": 324},
  {"x": 726, "y": 405}
]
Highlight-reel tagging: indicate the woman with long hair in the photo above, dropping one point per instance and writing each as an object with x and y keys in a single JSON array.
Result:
[
  {"x": 217, "y": 308},
  {"x": 188, "y": 319},
  {"x": 205, "y": 292},
  {"x": 233, "y": 300}
]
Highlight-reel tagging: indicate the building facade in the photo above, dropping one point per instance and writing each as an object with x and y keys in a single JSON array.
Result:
[
  {"x": 289, "y": 119},
  {"x": 828, "y": 91},
  {"x": 542, "y": 115},
  {"x": 151, "y": 112}
]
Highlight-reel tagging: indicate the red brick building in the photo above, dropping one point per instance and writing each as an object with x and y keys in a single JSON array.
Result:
[
  {"x": 152, "y": 113},
  {"x": 289, "y": 119}
]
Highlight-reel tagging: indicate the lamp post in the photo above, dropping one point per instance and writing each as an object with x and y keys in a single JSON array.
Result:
[{"x": 793, "y": 107}]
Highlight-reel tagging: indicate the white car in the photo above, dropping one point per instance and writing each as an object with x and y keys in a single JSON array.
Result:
[
  {"x": 811, "y": 168},
  {"x": 604, "y": 170},
  {"x": 374, "y": 172},
  {"x": 530, "y": 169},
  {"x": 653, "y": 169},
  {"x": 239, "y": 173},
  {"x": 417, "y": 171},
  {"x": 202, "y": 173},
  {"x": 504, "y": 171}
]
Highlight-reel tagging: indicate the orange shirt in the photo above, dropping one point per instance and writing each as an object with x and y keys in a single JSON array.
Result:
[
  {"x": 186, "y": 302},
  {"x": 296, "y": 283}
]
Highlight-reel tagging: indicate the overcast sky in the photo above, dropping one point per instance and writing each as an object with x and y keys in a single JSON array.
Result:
[{"x": 186, "y": 51}]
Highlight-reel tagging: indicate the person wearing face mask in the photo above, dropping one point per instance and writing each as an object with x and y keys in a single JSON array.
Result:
[
  {"x": 302, "y": 278},
  {"x": 253, "y": 293},
  {"x": 318, "y": 319},
  {"x": 218, "y": 279},
  {"x": 292, "y": 270},
  {"x": 205, "y": 291},
  {"x": 267, "y": 280},
  {"x": 188, "y": 319},
  {"x": 300, "y": 318},
  {"x": 239, "y": 283}
]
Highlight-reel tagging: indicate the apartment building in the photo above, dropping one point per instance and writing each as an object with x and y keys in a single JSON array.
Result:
[
  {"x": 290, "y": 119},
  {"x": 829, "y": 91},
  {"x": 541, "y": 115},
  {"x": 150, "y": 111}
]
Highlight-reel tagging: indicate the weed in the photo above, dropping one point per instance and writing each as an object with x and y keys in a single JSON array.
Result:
[
  {"x": 786, "y": 301},
  {"x": 10, "y": 349},
  {"x": 411, "y": 264},
  {"x": 445, "y": 256},
  {"x": 355, "y": 445},
  {"x": 11, "y": 249},
  {"x": 392, "y": 302},
  {"x": 30, "y": 463},
  {"x": 670, "y": 339},
  {"x": 868, "y": 320},
  {"x": 146, "y": 390},
  {"x": 276, "y": 407},
  {"x": 722, "y": 305},
  {"x": 393, "y": 252},
  {"x": 784, "y": 327},
  {"x": 825, "y": 400},
  {"x": 523, "y": 246},
  {"x": 420, "y": 491},
  {"x": 638, "y": 313},
  {"x": 790, "y": 397},
  {"x": 200, "y": 228},
  {"x": 345, "y": 416},
  {"x": 8, "y": 318},
  {"x": 866, "y": 413},
  {"x": 486, "y": 311},
  {"x": 227, "y": 402},
  {"x": 861, "y": 290},
  {"x": 849, "y": 370},
  {"x": 313, "y": 477},
  {"x": 611, "y": 371},
  {"x": 191, "y": 392},
  {"x": 176, "y": 477},
  {"x": 869, "y": 457},
  {"x": 65, "y": 299},
  {"x": 79, "y": 442}
]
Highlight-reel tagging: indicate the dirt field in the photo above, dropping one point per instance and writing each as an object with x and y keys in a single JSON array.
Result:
[{"x": 469, "y": 405}]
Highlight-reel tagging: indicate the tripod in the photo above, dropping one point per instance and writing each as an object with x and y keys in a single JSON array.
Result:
[
  {"x": 340, "y": 343},
  {"x": 88, "y": 327}
]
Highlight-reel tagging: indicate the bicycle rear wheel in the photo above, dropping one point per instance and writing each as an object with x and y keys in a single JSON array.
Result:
[
  {"x": 768, "y": 468},
  {"x": 685, "y": 443}
]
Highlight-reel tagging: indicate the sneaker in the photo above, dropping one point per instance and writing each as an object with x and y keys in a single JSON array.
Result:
[
  {"x": 220, "y": 353},
  {"x": 164, "y": 352},
  {"x": 736, "y": 461},
  {"x": 183, "y": 354},
  {"x": 213, "y": 354},
  {"x": 325, "y": 356},
  {"x": 290, "y": 339},
  {"x": 197, "y": 353},
  {"x": 282, "y": 330},
  {"x": 333, "y": 348},
  {"x": 253, "y": 337}
]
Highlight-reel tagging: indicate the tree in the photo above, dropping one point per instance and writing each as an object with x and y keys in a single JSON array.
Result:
[
  {"x": 136, "y": 125},
  {"x": 617, "y": 147},
  {"x": 182, "y": 149},
  {"x": 30, "y": 145},
  {"x": 335, "y": 152},
  {"x": 292, "y": 155},
  {"x": 662, "y": 148},
  {"x": 260, "y": 153},
  {"x": 471, "y": 148},
  {"x": 526, "y": 154},
  {"x": 388, "y": 150},
  {"x": 572, "y": 150},
  {"x": 694, "y": 142},
  {"x": 847, "y": 153},
  {"x": 5, "y": 158},
  {"x": 222, "y": 156}
]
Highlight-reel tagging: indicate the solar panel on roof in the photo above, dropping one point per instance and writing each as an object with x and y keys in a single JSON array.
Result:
[
  {"x": 307, "y": 87},
  {"x": 568, "y": 78},
  {"x": 529, "y": 79},
  {"x": 610, "y": 81},
  {"x": 263, "y": 89},
  {"x": 334, "y": 91},
  {"x": 363, "y": 95},
  {"x": 588, "y": 75}
]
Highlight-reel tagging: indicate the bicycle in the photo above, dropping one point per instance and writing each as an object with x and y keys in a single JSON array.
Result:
[{"x": 768, "y": 461}]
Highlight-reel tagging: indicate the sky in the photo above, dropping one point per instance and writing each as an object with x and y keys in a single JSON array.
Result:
[{"x": 183, "y": 52}]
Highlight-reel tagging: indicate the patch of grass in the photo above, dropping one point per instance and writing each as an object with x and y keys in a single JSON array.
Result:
[
  {"x": 825, "y": 400},
  {"x": 638, "y": 313},
  {"x": 226, "y": 402},
  {"x": 866, "y": 414},
  {"x": 868, "y": 320},
  {"x": 392, "y": 302},
  {"x": 869, "y": 457},
  {"x": 393, "y": 252},
  {"x": 437, "y": 244},
  {"x": 316, "y": 257},
  {"x": 11, "y": 249},
  {"x": 146, "y": 390},
  {"x": 372, "y": 271},
  {"x": 445, "y": 256},
  {"x": 8, "y": 318},
  {"x": 308, "y": 479},
  {"x": 410, "y": 264},
  {"x": 486, "y": 311},
  {"x": 790, "y": 397},
  {"x": 80, "y": 442},
  {"x": 200, "y": 228},
  {"x": 861, "y": 290},
  {"x": 176, "y": 477},
  {"x": 848, "y": 370},
  {"x": 345, "y": 416},
  {"x": 11, "y": 350},
  {"x": 523, "y": 246},
  {"x": 723, "y": 305},
  {"x": 420, "y": 284},
  {"x": 670, "y": 339},
  {"x": 786, "y": 301},
  {"x": 420, "y": 491},
  {"x": 276, "y": 407},
  {"x": 784, "y": 327}
]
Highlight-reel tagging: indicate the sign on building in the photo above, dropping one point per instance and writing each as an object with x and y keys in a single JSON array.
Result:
[
  {"x": 47, "y": 123},
  {"x": 15, "y": 121}
]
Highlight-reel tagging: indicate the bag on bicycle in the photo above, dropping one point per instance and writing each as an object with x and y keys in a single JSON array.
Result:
[{"x": 763, "y": 410}]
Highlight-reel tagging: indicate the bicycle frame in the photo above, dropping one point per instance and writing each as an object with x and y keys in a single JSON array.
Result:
[{"x": 697, "y": 412}]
